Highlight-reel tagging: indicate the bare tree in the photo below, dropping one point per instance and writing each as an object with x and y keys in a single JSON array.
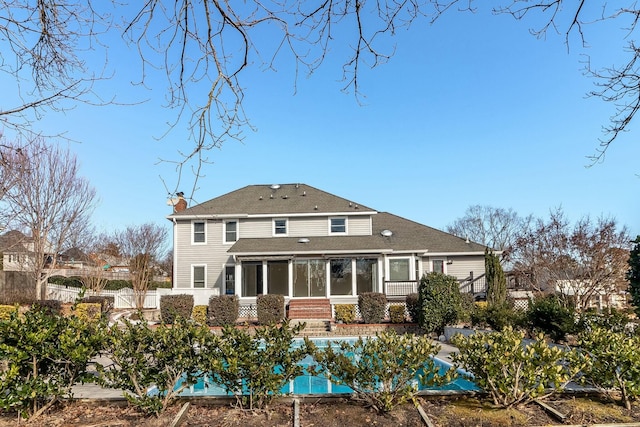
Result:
[
  {"x": 496, "y": 228},
  {"x": 581, "y": 260},
  {"x": 204, "y": 47},
  {"x": 143, "y": 246},
  {"x": 49, "y": 200}
]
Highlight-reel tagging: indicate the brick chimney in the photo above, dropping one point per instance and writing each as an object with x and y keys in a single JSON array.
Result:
[{"x": 181, "y": 204}]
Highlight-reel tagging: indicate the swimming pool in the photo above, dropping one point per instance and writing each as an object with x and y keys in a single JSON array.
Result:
[{"x": 319, "y": 385}]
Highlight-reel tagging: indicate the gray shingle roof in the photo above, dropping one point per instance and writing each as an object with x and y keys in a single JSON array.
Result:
[
  {"x": 262, "y": 199},
  {"x": 407, "y": 236}
]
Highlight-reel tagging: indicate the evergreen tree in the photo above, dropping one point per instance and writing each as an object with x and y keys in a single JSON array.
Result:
[
  {"x": 633, "y": 274},
  {"x": 496, "y": 280}
]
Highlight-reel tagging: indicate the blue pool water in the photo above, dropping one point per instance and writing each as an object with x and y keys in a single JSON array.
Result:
[{"x": 312, "y": 384}]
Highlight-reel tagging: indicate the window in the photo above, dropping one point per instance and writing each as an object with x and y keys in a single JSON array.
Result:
[
  {"x": 230, "y": 231},
  {"x": 366, "y": 275},
  {"x": 399, "y": 269},
  {"x": 280, "y": 227},
  {"x": 309, "y": 278},
  {"x": 199, "y": 276},
  {"x": 338, "y": 225},
  {"x": 278, "y": 277},
  {"x": 230, "y": 279},
  {"x": 251, "y": 279},
  {"x": 341, "y": 276},
  {"x": 437, "y": 266},
  {"x": 199, "y": 232}
]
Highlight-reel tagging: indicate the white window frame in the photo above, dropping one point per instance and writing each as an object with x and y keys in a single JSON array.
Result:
[
  {"x": 275, "y": 227},
  {"x": 409, "y": 266},
  {"x": 193, "y": 267},
  {"x": 235, "y": 278},
  {"x": 444, "y": 264},
  {"x": 338, "y": 232},
  {"x": 193, "y": 232},
  {"x": 224, "y": 231}
]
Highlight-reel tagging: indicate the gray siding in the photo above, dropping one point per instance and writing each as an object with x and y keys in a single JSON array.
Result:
[
  {"x": 213, "y": 254},
  {"x": 462, "y": 265}
]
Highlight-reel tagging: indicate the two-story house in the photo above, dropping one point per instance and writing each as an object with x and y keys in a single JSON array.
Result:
[{"x": 304, "y": 243}]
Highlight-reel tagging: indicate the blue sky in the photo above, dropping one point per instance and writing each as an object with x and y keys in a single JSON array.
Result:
[{"x": 470, "y": 110}]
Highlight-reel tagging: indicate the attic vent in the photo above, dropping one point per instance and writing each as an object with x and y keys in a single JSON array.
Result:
[
  {"x": 275, "y": 186},
  {"x": 386, "y": 233}
]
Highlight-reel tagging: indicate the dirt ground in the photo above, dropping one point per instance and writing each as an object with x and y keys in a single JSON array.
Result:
[{"x": 442, "y": 412}]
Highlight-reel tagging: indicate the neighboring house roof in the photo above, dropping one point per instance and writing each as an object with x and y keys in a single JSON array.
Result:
[
  {"x": 14, "y": 241},
  {"x": 286, "y": 199},
  {"x": 406, "y": 236}
]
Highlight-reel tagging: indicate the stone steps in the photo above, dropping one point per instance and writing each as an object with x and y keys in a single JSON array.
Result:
[{"x": 319, "y": 309}]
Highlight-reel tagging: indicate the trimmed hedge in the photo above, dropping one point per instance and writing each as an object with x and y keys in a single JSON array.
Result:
[
  {"x": 172, "y": 306},
  {"x": 396, "y": 313},
  {"x": 199, "y": 314},
  {"x": 413, "y": 307},
  {"x": 346, "y": 313},
  {"x": 106, "y": 303},
  {"x": 270, "y": 309},
  {"x": 51, "y": 306},
  {"x": 224, "y": 310},
  {"x": 372, "y": 306},
  {"x": 90, "y": 311},
  {"x": 6, "y": 310}
]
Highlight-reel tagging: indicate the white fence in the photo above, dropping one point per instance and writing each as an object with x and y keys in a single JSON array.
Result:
[{"x": 123, "y": 298}]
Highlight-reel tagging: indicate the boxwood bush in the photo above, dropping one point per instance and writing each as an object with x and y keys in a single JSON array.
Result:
[
  {"x": 345, "y": 313},
  {"x": 223, "y": 310},
  {"x": 372, "y": 306},
  {"x": 413, "y": 307},
  {"x": 106, "y": 302},
  {"x": 172, "y": 306},
  {"x": 51, "y": 306},
  {"x": 199, "y": 314},
  {"x": 270, "y": 309},
  {"x": 396, "y": 313}
]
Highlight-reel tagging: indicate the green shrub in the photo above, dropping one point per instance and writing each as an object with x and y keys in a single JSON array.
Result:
[
  {"x": 106, "y": 302},
  {"x": 44, "y": 356},
  {"x": 88, "y": 311},
  {"x": 548, "y": 315},
  {"x": 199, "y": 314},
  {"x": 117, "y": 284},
  {"x": 381, "y": 370},
  {"x": 254, "y": 369},
  {"x": 372, "y": 306},
  {"x": 413, "y": 306},
  {"x": 345, "y": 313},
  {"x": 439, "y": 302},
  {"x": 511, "y": 372},
  {"x": 223, "y": 310},
  {"x": 51, "y": 306},
  {"x": 612, "y": 363},
  {"x": 467, "y": 307},
  {"x": 165, "y": 359},
  {"x": 610, "y": 319},
  {"x": 6, "y": 310},
  {"x": 173, "y": 306},
  {"x": 396, "y": 313},
  {"x": 270, "y": 309},
  {"x": 496, "y": 317}
]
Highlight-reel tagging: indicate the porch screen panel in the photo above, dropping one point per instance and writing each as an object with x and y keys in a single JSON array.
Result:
[
  {"x": 341, "y": 277},
  {"x": 318, "y": 277},
  {"x": 366, "y": 275},
  {"x": 251, "y": 279},
  {"x": 309, "y": 278},
  {"x": 399, "y": 269},
  {"x": 278, "y": 277}
]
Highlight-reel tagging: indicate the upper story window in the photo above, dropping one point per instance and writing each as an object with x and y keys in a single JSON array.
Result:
[
  {"x": 199, "y": 234},
  {"x": 338, "y": 225},
  {"x": 230, "y": 231},
  {"x": 279, "y": 227}
]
